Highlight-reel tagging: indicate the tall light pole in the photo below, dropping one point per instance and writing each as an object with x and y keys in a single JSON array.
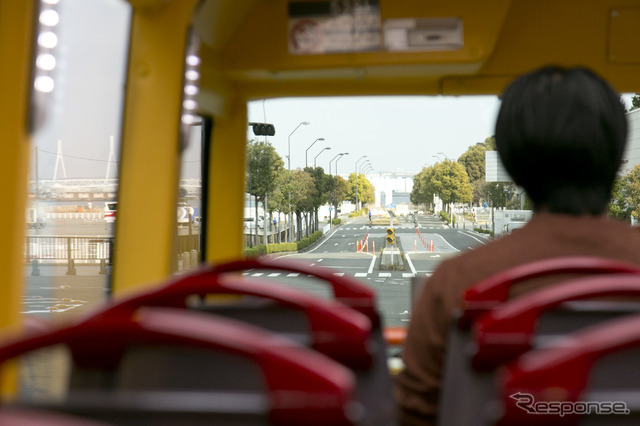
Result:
[
  {"x": 314, "y": 158},
  {"x": 337, "y": 155},
  {"x": 363, "y": 165},
  {"x": 336, "y": 173},
  {"x": 306, "y": 163},
  {"x": 306, "y": 123},
  {"x": 356, "y": 181},
  {"x": 445, "y": 155}
]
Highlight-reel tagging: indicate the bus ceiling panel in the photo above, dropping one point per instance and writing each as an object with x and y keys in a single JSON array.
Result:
[
  {"x": 148, "y": 5},
  {"x": 602, "y": 37},
  {"x": 624, "y": 46},
  {"x": 215, "y": 21},
  {"x": 249, "y": 46},
  {"x": 270, "y": 42}
]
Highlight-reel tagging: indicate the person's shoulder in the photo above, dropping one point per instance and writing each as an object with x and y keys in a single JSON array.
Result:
[{"x": 457, "y": 272}]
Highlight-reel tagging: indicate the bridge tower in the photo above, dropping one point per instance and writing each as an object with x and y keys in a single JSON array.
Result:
[
  {"x": 59, "y": 161},
  {"x": 111, "y": 160}
]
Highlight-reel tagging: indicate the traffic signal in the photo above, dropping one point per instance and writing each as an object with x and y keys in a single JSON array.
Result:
[
  {"x": 263, "y": 129},
  {"x": 391, "y": 236}
]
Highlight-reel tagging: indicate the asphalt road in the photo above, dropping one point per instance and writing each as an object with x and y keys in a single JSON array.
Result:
[
  {"x": 339, "y": 251},
  {"x": 425, "y": 242}
]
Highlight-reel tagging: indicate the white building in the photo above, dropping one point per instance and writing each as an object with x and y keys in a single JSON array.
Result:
[
  {"x": 631, "y": 156},
  {"x": 391, "y": 187}
]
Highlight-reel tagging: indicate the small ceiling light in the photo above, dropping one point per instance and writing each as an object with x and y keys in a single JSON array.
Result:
[
  {"x": 48, "y": 40},
  {"x": 190, "y": 104},
  {"x": 43, "y": 84},
  {"x": 192, "y": 75},
  {"x": 193, "y": 60},
  {"x": 46, "y": 61},
  {"x": 49, "y": 18},
  {"x": 191, "y": 90}
]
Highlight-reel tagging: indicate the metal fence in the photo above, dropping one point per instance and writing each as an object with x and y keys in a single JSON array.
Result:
[
  {"x": 72, "y": 250},
  {"x": 60, "y": 248}
]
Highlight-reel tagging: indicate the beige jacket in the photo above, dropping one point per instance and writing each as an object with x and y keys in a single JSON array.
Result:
[{"x": 546, "y": 235}]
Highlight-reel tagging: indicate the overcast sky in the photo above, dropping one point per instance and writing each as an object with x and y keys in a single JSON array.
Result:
[{"x": 395, "y": 133}]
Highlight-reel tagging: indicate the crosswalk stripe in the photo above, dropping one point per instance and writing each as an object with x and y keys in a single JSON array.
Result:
[{"x": 340, "y": 274}]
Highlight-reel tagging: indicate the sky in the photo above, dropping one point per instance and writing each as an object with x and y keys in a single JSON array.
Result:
[
  {"x": 395, "y": 133},
  {"x": 84, "y": 110}
]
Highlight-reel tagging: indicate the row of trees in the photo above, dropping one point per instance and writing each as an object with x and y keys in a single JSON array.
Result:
[
  {"x": 301, "y": 191},
  {"x": 625, "y": 197},
  {"x": 463, "y": 181}
]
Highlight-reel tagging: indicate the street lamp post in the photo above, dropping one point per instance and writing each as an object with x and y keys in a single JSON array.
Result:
[
  {"x": 356, "y": 181},
  {"x": 306, "y": 123},
  {"x": 337, "y": 155},
  {"x": 364, "y": 165},
  {"x": 331, "y": 195},
  {"x": 336, "y": 173},
  {"x": 306, "y": 163},
  {"x": 314, "y": 158},
  {"x": 335, "y": 215}
]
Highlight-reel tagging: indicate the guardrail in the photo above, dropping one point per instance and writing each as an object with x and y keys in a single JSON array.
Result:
[
  {"x": 92, "y": 250},
  {"x": 70, "y": 250}
]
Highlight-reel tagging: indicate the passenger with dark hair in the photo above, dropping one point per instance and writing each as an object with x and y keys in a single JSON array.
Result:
[{"x": 561, "y": 134}]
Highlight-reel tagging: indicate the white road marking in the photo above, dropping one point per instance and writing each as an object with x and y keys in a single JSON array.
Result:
[
  {"x": 413, "y": 269},
  {"x": 373, "y": 262}
]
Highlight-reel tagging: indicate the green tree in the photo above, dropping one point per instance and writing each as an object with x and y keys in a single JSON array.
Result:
[
  {"x": 473, "y": 161},
  {"x": 450, "y": 182},
  {"x": 635, "y": 102},
  {"x": 302, "y": 191},
  {"x": 263, "y": 168},
  {"x": 626, "y": 196},
  {"x": 420, "y": 192},
  {"x": 320, "y": 197},
  {"x": 278, "y": 200},
  {"x": 501, "y": 194},
  {"x": 337, "y": 188},
  {"x": 365, "y": 189}
]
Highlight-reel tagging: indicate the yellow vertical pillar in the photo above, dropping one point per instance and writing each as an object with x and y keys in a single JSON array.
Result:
[
  {"x": 226, "y": 184},
  {"x": 150, "y": 160},
  {"x": 16, "y": 29}
]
